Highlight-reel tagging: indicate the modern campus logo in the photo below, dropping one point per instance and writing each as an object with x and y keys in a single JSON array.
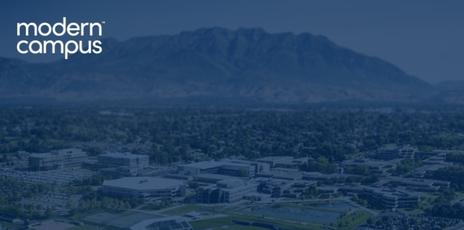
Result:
[{"x": 63, "y": 37}]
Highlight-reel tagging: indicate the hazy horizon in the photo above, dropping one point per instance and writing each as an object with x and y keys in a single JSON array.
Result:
[{"x": 421, "y": 37}]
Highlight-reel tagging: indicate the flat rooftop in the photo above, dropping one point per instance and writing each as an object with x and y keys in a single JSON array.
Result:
[
  {"x": 60, "y": 152},
  {"x": 277, "y": 159},
  {"x": 143, "y": 183},
  {"x": 213, "y": 176},
  {"x": 203, "y": 164},
  {"x": 213, "y": 164},
  {"x": 126, "y": 155},
  {"x": 43, "y": 155}
]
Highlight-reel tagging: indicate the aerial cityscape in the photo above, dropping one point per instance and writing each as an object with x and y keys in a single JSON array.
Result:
[{"x": 165, "y": 168}]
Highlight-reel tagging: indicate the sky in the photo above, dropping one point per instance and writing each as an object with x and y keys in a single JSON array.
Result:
[{"x": 423, "y": 37}]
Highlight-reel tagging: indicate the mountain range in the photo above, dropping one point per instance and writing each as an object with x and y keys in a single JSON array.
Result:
[{"x": 216, "y": 64}]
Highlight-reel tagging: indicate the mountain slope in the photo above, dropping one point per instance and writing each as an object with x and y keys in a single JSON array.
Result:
[
  {"x": 451, "y": 92},
  {"x": 243, "y": 64}
]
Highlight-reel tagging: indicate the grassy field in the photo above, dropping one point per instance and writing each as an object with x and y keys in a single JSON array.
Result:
[
  {"x": 220, "y": 223},
  {"x": 225, "y": 218},
  {"x": 84, "y": 227},
  {"x": 179, "y": 211},
  {"x": 227, "y": 222},
  {"x": 352, "y": 220}
]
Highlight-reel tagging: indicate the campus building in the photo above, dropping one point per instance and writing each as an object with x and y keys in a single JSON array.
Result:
[
  {"x": 55, "y": 177},
  {"x": 226, "y": 191},
  {"x": 132, "y": 163},
  {"x": 143, "y": 187},
  {"x": 284, "y": 161},
  {"x": 392, "y": 199},
  {"x": 384, "y": 198},
  {"x": 64, "y": 158},
  {"x": 225, "y": 167}
]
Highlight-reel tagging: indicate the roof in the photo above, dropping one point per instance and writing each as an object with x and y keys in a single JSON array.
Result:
[
  {"x": 213, "y": 176},
  {"x": 143, "y": 183},
  {"x": 277, "y": 159},
  {"x": 214, "y": 164},
  {"x": 122, "y": 155},
  {"x": 42, "y": 155},
  {"x": 69, "y": 150},
  {"x": 61, "y": 152},
  {"x": 203, "y": 164}
]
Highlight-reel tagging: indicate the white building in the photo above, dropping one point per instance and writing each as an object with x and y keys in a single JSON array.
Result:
[
  {"x": 58, "y": 159},
  {"x": 284, "y": 161},
  {"x": 143, "y": 187},
  {"x": 128, "y": 161},
  {"x": 236, "y": 168},
  {"x": 226, "y": 191}
]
